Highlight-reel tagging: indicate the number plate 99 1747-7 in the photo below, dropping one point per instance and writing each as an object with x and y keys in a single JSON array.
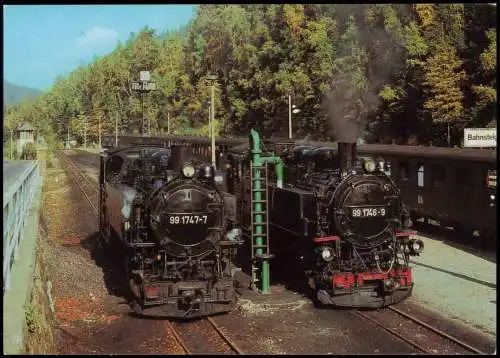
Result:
[
  {"x": 187, "y": 219},
  {"x": 365, "y": 212}
]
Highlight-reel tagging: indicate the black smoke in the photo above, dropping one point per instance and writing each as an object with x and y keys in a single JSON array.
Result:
[{"x": 351, "y": 101}]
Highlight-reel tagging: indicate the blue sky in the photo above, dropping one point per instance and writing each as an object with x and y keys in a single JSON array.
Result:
[{"x": 44, "y": 41}]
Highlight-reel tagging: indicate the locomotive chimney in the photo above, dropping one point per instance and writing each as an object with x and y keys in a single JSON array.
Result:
[
  {"x": 180, "y": 154},
  {"x": 347, "y": 155}
]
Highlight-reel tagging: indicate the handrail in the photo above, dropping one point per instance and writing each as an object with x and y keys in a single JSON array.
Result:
[{"x": 17, "y": 201}]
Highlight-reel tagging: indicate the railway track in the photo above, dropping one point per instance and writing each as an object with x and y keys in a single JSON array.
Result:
[
  {"x": 196, "y": 337},
  {"x": 202, "y": 337},
  {"x": 413, "y": 335},
  {"x": 88, "y": 188}
]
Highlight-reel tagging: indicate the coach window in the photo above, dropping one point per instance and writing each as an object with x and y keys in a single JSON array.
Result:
[
  {"x": 438, "y": 176},
  {"x": 420, "y": 175},
  {"x": 404, "y": 171}
]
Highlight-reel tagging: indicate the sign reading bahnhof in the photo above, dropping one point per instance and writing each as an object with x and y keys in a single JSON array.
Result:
[{"x": 480, "y": 137}]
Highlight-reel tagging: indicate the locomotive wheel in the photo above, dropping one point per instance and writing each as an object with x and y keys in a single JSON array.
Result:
[{"x": 137, "y": 295}]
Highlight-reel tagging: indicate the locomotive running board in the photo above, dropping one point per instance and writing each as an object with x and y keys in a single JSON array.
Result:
[{"x": 142, "y": 244}]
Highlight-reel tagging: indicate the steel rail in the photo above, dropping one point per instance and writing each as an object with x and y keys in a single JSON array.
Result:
[
  {"x": 393, "y": 332},
  {"x": 92, "y": 183},
  {"x": 228, "y": 340},
  {"x": 72, "y": 170},
  {"x": 438, "y": 331},
  {"x": 178, "y": 338}
]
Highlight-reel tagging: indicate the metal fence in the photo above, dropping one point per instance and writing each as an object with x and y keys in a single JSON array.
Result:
[{"x": 17, "y": 201}]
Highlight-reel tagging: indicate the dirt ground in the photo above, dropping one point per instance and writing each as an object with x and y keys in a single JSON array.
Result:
[{"x": 92, "y": 313}]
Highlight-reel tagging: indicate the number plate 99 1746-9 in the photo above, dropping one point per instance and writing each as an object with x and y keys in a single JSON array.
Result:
[
  {"x": 368, "y": 212},
  {"x": 187, "y": 219}
]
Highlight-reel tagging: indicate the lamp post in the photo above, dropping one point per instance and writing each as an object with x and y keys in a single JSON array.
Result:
[
  {"x": 212, "y": 78},
  {"x": 209, "y": 118}
]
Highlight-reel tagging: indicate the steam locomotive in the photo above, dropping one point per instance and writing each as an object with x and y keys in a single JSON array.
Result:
[
  {"x": 337, "y": 221},
  {"x": 164, "y": 211}
]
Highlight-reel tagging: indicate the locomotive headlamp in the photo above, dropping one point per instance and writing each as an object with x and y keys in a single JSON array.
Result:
[
  {"x": 416, "y": 246},
  {"x": 327, "y": 254},
  {"x": 188, "y": 170},
  {"x": 492, "y": 197},
  {"x": 369, "y": 165}
]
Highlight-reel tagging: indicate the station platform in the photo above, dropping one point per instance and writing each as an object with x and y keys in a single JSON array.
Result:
[{"x": 457, "y": 282}]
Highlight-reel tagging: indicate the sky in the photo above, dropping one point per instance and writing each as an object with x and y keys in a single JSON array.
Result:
[{"x": 44, "y": 41}]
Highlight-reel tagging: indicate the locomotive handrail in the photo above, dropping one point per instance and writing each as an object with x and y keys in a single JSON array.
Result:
[{"x": 17, "y": 200}]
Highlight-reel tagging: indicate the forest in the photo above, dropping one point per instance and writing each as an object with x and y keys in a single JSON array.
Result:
[{"x": 403, "y": 73}]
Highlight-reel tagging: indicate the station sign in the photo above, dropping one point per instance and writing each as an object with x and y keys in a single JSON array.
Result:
[
  {"x": 143, "y": 86},
  {"x": 480, "y": 137},
  {"x": 144, "y": 76}
]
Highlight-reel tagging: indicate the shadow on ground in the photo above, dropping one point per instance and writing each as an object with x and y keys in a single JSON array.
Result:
[{"x": 113, "y": 269}]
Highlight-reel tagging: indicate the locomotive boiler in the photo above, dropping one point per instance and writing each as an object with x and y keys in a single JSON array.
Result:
[
  {"x": 164, "y": 211},
  {"x": 337, "y": 223}
]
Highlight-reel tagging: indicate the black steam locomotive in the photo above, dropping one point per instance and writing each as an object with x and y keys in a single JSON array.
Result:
[
  {"x": 338, "y": 219},
  {"x": 165, "y": 212}
]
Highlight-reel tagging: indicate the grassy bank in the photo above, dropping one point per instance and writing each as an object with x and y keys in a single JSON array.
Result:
[{"x": 39, "y": 331}]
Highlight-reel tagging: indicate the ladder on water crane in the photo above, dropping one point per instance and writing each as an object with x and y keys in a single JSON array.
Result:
[{"x": 259, "y": 223}]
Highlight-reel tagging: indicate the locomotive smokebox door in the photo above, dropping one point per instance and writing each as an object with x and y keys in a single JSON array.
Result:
[
  {"x": 346, "y": 155},
  {"x": 181, "y": 154}
]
